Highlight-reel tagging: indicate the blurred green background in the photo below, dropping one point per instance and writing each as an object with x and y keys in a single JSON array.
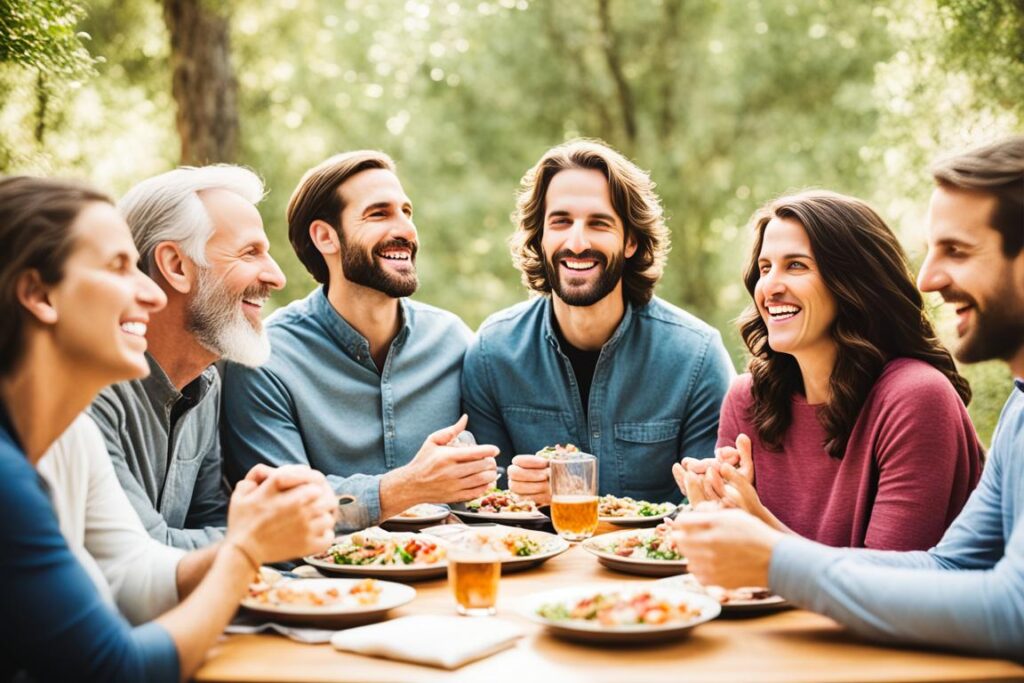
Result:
[{"x": 727, "y": 103}]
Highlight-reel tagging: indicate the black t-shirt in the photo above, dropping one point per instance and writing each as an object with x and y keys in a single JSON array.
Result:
[{"x": 583, "y": 365}]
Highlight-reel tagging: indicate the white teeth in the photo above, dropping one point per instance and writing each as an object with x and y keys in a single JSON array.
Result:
[
  {"x": 579, "y": 265},
  {"x": 255, "y": 302},
  {"x": 138, "y": 329},
  {"x": 396, "y": 255},
  {"x": 785, "y": 309}
]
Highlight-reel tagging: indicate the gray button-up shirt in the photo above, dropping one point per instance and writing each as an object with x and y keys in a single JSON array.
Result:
[
  {"x": 320, "y": 399},
  {"x": 171, "y": 473}
]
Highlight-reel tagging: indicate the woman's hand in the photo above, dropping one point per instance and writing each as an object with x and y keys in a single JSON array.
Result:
[{"x": 272, "y": 525}]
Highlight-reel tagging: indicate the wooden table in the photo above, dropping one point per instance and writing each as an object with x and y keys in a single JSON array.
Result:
[{"x": 792, "y": 645}]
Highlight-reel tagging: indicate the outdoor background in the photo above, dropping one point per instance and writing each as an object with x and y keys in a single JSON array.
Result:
[{"x": 727, "y": 103}]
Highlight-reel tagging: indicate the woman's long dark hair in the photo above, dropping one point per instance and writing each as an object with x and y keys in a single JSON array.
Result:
[{"x": 880, "y": 315}]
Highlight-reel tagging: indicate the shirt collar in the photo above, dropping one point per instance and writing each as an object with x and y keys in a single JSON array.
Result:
[
  {"x": 162, "y": 391},
  {"x": 8, "y": 426},
  {"x": 551, "y": 335},
  {"x": 345, "y": 335},
  {"x": 1019, "y": 383}
]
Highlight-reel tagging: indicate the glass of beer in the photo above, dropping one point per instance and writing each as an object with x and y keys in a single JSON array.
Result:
[
  {"x": 474, "y": 569},
  {"x": 574, "y": 496}
]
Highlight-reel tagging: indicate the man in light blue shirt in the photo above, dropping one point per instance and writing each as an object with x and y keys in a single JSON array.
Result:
[
  {"x": 596, "y": 360},
  {"x": 967, "y": 592},
  {"x": 359, "y": 376}
]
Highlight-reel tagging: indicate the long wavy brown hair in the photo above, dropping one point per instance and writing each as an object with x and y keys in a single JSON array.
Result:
[
  {"x": 880, "y": 315},
  {"x": 633, "y": 198}
]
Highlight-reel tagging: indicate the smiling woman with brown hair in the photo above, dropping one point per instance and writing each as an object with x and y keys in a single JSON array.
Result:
[
  {"x": 858, "y": 434},
  {"x": 75, "y": 309}
]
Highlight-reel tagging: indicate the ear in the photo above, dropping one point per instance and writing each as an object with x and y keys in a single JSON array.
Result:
[
  {"x": 174, "y": 266},
  {"x": 34, "y": 295},
  {"x": 325, "y": 238},
  {"x": 631, "y": 246}
]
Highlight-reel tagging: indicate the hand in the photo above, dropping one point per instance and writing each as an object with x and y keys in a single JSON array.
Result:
[
  {"x": 739, "y": 457},
  {"x": 440, "y": 473},
  {"x": 272, "y": 525},
  {"x": 528, "y": 476},
  {"x": 740, "y": 493},
  {"x": 728, "y": 548}
]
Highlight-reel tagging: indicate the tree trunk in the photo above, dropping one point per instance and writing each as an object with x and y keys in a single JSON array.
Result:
[{"x": 204, "y": 84}]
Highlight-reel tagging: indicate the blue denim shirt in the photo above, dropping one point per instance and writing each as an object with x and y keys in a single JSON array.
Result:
[
  {"x": 321, "y": 401},
  {"x": 966, "y": 593},
  {"x": 655, "y": 397}
]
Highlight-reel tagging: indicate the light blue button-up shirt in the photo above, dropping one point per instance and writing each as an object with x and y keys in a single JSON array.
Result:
[
  {"x": 321, "y": 401},
  {"x": 966, "y": 593},
  {"x": 654, "y": 399}
]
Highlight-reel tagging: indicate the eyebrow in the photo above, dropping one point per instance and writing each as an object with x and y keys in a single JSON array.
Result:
[
  {"x": 603, "y": 216},
  {"x": 788, "y": 257},
  {"x": 385, "y": 205}
]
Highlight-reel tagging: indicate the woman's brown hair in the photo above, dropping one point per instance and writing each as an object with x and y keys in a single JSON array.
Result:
[
  {"x": 633, "y": 198},
  {"x": 36, "y": 215},
  {"x": 880, "y": 315}
]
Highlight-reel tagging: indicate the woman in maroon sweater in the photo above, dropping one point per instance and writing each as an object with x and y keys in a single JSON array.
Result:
[{"x": 850, "y": 428}]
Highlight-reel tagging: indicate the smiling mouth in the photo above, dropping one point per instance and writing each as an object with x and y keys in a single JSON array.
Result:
[
  {"x": 136, "y": 329},
  {"x": 579, "y": 265},
  {"x": 255, "y": 303},
  {"x": 780, "y": 312}
]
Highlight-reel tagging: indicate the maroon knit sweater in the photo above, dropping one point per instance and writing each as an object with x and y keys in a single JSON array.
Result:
[{"x": 912, "y": 460}]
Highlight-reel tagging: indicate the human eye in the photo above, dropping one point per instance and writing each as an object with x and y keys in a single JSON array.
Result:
[
  {"x": 763, "y": 268},
  {"x": 798, "y": 265}
]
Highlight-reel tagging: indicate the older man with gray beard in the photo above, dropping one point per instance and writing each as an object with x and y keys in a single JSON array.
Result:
[{"x": 201, "y": 239}]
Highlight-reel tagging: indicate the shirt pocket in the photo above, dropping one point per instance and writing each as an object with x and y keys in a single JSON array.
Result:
[
  {"x": 646, "y": 452},
  {"x": 531, "y": 429}
]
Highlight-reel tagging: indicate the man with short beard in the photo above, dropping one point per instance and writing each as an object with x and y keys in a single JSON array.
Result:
[
  {"x": 966, "y": 593},
  {"x": 201, "y": 239},
  {"x": 597, "y": 360},
  {"x": 360, "y": 375}
]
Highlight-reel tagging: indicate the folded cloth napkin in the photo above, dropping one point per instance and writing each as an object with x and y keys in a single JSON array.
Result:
[
  {"x": 250, "y": 623},
  {"x": 445, "y": 642}
]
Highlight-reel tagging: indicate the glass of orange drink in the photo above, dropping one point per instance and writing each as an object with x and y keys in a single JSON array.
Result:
[
  {"x": 574, "y": 496},
  {"x": 474, "y": 571}
]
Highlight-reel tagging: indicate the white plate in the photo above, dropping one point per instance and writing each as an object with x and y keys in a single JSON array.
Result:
[
  {"x": 400, "y": 572},
  {"x": 593, "y": 632},
  {"x": 551, "y": 545},
  {"x": 631, "y": 565},
  {"x": 498, "y": 517},
  {"x": 424, "y": 513},
  {"x": 346, "y": 613},
  {"x": 688, "y": 582},
  {"x": 637, "y": 520}
]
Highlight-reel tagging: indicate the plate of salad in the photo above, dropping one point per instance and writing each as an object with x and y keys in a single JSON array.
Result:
[
  {"x": 499, "y": 505},
  {"x": 619, "y": 613},
  {"x": 625, "y": 511},
  {"x": 383, "y": 554},
  {"x": 518, "y": 548},
  {"x": 647, "y": 552}
]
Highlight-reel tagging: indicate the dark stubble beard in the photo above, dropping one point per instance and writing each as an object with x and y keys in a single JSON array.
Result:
[
  {"x": 998, "y": 332},
  {"x": 611, "y": 273},
  {"x": 362, "y": 267}
]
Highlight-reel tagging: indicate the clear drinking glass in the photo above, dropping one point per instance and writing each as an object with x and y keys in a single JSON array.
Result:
[
  {"x": 574, "y": 496},
  {"x": 474, "y": 571}
]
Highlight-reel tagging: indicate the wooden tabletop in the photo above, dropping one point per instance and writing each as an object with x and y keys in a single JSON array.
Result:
[{"x": 792, "y": 645}]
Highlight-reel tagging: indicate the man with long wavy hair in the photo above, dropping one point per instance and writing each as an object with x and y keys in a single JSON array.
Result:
[
  {"x": 596, "y": 359},
  {"x": 967, "y": 592}
]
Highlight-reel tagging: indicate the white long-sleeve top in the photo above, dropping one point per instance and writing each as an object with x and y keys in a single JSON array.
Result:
[{"x": 129, "y": 568}]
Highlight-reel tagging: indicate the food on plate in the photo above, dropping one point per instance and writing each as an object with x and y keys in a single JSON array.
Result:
[
  {"x": 743, "y": 594},
  {"x": 283, "y": 593},
  {"x": 649, "y": 544},
  {"x": 512, "y": 543},
  {"x": 557, "y": 451},
  {"x": 613, "y": 506},
  {"x": 620, "y": 609},
  {"x": 501, "y": 500},
  {"x": 418, "y": 511},
  {"x": 362, "y": 548}
]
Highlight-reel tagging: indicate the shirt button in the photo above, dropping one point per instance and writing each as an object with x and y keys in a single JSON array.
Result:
[{"x": 597, "y": 435}]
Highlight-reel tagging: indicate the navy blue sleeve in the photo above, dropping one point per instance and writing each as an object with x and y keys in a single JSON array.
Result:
[{"x": 53, "y": 622}]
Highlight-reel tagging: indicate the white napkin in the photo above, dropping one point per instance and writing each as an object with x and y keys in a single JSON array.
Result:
[
  {"x": 251, "y": 623},
  {"x": 446, "y": 642}
]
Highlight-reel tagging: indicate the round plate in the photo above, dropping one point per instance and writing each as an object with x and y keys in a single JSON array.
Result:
[
  {"x": 753, "y": 607},
  {"x": 399, "y": 572},
  {"x": 499, "y": 517},
  {"x": 346, "y": 613},
  {"x": 637, "y": 521},
  {"x": 631, "y": 565},
  {"x": 424, "y": 513},
  {"x": 595, "y": 633},
  {"x": 551, "y": 544}
]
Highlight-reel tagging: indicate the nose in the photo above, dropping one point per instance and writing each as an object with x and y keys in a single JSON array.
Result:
[
  {"x": 576, "y": 241},
  {"x": 772, "y": 283},
  {"x": 272, "y": 275},
  {"x": 931, "y": 278},
  {"x": 149, "y": 294},
  {"x": 404, "y": 228}
]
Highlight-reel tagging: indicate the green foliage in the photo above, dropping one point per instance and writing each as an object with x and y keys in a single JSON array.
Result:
[
  {"x": 43, "y": 35},
  {"x": 727, "y": 102}
]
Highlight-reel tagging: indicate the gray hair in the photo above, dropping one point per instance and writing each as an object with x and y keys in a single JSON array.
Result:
[{"x": 167, "y": 208}]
